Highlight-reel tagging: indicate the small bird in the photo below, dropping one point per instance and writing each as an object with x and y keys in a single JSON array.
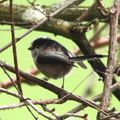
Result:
[{"x": 53, "y": 59}]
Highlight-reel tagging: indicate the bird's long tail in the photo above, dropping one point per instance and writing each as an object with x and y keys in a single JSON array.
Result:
[{"x": 87, "y": 57}]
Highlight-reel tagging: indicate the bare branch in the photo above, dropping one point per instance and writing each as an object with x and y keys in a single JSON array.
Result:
[
  {"x": 112, "y": 55},
  {"x": 96, "y": 98},
  {"x": 28, "y": 102},
  {"x": 71, "y": 2},
  {"x": 114, "y": 115},
  {"x": 14, "y": 50},
  {"x": 58, "y": 91}
]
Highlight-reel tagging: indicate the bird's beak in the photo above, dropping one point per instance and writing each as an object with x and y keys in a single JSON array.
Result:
[{"x": 30, "y": 48}]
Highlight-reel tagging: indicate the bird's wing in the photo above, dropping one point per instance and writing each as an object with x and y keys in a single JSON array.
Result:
[{"x": 53, "y": 58}]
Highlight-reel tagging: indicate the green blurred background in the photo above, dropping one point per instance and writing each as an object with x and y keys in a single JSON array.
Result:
[{"x": 38, "y": 93}]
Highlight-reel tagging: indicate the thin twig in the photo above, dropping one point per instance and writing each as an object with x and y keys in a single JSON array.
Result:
[
  {"x": 10, "y": 93},
  {"x": 8, "y": 83},
  {"x": 58, "y": 91},
  {"x": 102, "y": 9},
  {"x": 95, "y": 99},
  {"x": 28, "y": 102},
  {"x": 11, "y": 80},
  {"x": 16, "y": 60},
  {"x": 36, "y": 102},
  {"x": 84, "y": 117},
  {"x": 52, "y": 112},
  {"x": 14, "y": 50},
  {"x": 95, "y": 36},
  {"x": 114, "y": 115},
  {"x": 38, "y": 111},
  {"x": 61, "y": 99},
  {"x": 85, "y": 14}
]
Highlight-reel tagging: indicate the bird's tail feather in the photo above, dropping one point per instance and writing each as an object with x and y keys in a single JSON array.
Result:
[{"x": 87, "y": 57}]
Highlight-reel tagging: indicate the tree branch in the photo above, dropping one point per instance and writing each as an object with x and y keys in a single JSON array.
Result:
[
  {"x": 96, "y": 98},
  {"x": 112, "y": 55},
  {"x": 58, "y": 91}
]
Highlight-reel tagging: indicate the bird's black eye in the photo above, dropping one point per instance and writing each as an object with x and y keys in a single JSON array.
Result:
[{"x": 36, "y": 46}]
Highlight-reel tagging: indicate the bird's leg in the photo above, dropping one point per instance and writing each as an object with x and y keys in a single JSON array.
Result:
[{"x": 63, "y": 82}]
